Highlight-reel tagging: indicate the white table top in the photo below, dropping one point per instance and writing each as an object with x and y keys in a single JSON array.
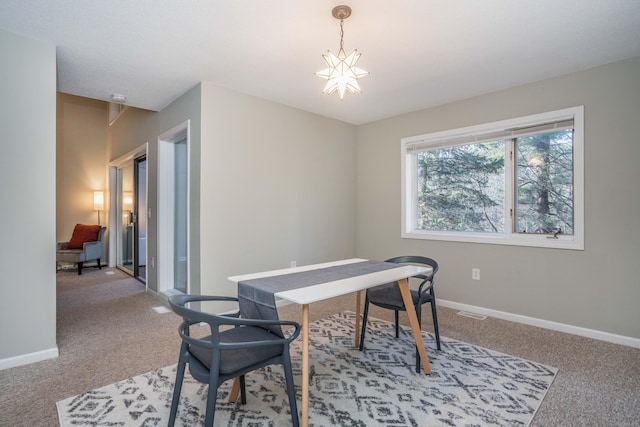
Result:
[{"x": 335, "y": 288}]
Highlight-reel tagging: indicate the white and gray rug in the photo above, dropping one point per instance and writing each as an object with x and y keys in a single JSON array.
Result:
[{"x": 469, "y": 386}]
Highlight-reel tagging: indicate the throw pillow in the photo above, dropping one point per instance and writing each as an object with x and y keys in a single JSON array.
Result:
[{"x": 84, "y": 233}]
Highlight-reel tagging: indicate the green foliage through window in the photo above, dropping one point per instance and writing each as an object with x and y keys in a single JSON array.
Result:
[
  {"x": 462, "y": 187},
  {"x": 544, "y": 183}
]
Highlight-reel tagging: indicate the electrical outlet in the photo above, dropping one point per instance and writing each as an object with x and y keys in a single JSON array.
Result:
[
  {"x": 475, "y": 273},
  {"x": 153, "y": 262},
  {"x": 293, "y": 264}
]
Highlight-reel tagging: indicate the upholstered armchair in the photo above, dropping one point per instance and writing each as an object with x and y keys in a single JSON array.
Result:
[{"x": 85, "y": 245}]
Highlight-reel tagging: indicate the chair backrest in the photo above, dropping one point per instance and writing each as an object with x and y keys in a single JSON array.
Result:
[
  {"x": 216, "y": 321},
  {"x": 101, "y": 234},
  {"x": 84, "y": 233},
  {"x": 420, "y": 260},
  {"x": 192, "y": 316}
]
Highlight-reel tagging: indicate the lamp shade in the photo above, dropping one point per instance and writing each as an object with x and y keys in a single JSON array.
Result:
[
  {"x": 98, "y": 200},
  {"x": 127, "y": 201}
]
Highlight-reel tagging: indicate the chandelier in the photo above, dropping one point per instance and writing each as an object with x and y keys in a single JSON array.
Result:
[{"x": 341, "y": 73}]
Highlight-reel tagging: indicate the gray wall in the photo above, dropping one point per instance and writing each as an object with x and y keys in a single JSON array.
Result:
[
  {"x": 270, "y": 184},
  {"x": 597, "y": 288},
  {"x": 188, "y": 106},
  {"x": 28, "y": 225},
  {"x": 134, "y": 128},
  {"x": 278, "y": 185}
]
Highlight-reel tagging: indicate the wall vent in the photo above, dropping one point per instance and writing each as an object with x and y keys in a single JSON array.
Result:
[{"x": 161, "y": 309}]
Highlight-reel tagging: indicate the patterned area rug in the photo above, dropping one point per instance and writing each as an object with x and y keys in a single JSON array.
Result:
[{"x": 469, "y": 386}]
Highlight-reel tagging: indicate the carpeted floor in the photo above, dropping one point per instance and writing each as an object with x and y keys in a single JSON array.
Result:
[
  {"x": 469, "y": 385},
  {"x": 108, "y": 331}
]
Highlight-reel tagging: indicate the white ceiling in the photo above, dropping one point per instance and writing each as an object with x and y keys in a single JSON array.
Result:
[{"x": 420, "y": 53}]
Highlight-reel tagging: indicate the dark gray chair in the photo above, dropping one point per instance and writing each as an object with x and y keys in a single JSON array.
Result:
[
  {"x": 388, "y": 296},
  {"x": 228, "y": 353}
]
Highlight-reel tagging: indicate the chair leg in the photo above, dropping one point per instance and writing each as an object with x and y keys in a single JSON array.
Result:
[
  {"x": 212, "y": 395},
  {"x": 99, "y": 264},
  {"x": 79, "y": 268},
  {"x": 291, "y": 392},
  {"x": 365, "y": 314},
  {"x": 397, "y": 325},
  {"x": 419, "y": 316},
  {"x": 436, "y": 331},
  {"x": 177, "y": 388},
  {"x": 243, "y": 390}
]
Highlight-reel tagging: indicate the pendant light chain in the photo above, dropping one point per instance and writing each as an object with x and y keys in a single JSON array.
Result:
[{"x": 341, "y": 32}]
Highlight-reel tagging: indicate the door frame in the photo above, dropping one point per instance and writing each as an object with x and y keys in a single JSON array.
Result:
[
  {"x": 114, "y": 165},
  {"x": 164, "y": 265}
]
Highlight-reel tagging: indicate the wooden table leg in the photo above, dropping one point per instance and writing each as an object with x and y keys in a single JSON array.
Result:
[
  {"x": 235, "y": 390},
  {"x": 305, "y": 365},
  {"x": 357, "y": 344},
  {"x": 415, "y": 326}
]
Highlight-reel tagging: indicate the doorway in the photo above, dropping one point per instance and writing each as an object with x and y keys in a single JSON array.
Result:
[
  {"x": 128, "y": 218},
  {"x": 173, "y": 211}
]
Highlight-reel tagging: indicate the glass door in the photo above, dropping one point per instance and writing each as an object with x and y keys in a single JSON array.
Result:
[
  {"x": 125, "y": 215},
  {"x": 140, "y": 219},
  {"x": 128, "y": 213}
]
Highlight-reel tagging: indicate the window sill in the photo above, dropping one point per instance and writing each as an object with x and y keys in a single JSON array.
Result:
[{"x": 536, "y": 241}]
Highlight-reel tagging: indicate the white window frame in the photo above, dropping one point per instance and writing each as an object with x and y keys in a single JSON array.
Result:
[{"x": 480, "y": 133}]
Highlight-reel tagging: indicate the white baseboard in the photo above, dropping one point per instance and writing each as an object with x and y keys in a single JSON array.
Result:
[
  {"x": 26, "y": 359},
  {"x": 546, "y": 324},
  {"x": 532, "y": 321}
]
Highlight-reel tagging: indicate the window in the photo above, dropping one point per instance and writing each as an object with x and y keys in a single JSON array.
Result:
[{"x": 513, "y": 182}]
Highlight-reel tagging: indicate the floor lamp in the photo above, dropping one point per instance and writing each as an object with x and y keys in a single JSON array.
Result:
[{"x": 98, "y": 202}]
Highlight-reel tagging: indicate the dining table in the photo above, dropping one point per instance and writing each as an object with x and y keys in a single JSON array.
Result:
[{"x": 260, "y": 293}]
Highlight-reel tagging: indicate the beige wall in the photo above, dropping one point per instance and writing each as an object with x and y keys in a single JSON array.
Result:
[
  {"x": 277, "y": 185},
  {"x": 81, "y": 162},
  {"x": 597, "y": 288},
  {"x": 28, "y": 194}
]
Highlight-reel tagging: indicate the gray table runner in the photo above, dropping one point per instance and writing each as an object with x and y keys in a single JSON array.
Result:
[{"x": 256, "y": 296}]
